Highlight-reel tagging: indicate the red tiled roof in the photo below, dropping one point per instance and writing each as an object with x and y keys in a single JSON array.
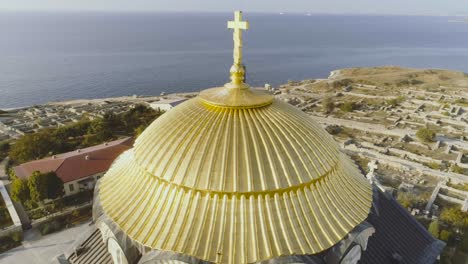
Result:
[{"x": 77, "y": 164}]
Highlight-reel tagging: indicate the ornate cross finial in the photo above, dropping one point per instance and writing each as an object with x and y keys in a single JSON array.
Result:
[{"x": 237, "y": 69}]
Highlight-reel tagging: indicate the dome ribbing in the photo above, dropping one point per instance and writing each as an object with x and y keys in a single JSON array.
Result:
[{"x": 234, "y": 176}]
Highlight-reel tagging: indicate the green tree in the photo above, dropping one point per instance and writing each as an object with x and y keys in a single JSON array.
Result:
[
  {"x": 44, "y": 186},
  {"x": 99, "y": 131},
  {"x": 434, "y": 228},
  {"x": 84, "y": 133},
  {"x": 20, "y": 190},
  {"x": 33, "y": 146},
  {"x": 37, "y": 186},
  {"x": 425, "y": 135}
]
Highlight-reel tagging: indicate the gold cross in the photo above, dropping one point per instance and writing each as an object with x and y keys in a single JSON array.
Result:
[{"x": 238, "y": 25}]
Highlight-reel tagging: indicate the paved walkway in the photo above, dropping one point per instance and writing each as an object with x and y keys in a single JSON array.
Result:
[
  {"x": 38, "y": 249},
  {"x": 6, "y": 197},
  {"x": 389, "y": 97},
  {"x": 375, "y": 128},
  {"x": 411, "y": 165},
  {"x": 381, "y": 129}
]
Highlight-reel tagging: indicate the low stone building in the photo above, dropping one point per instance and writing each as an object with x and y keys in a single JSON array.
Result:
[
  {"x": 166, "y": 104},
  {"x": 80, "y": 169}
]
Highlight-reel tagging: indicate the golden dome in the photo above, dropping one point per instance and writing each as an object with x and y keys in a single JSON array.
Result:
[
  {"x": 234, "y": 176},
  {"x": 235, "y": 185}
]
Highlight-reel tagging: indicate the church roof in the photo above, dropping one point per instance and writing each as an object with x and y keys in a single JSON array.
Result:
[
  {"x": 234, "y": 176},
  {"x": 398, "y": 235}
]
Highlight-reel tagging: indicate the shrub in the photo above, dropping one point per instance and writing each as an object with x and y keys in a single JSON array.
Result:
[
  {"x": 457, "y": 169},
  {"x": 37, "y": 213},
  {"x": 462, "y": 102},
  {"x": 396, "y": 101},
  {"x": 328, "y": 105},
  {"x": 425, "y": 135},
  {"x": 30, "y": 204},
  {"x": 455, "y": 217},
  {"x": 407, "y": 200},
  {"x": 11, "y": 174},
  {"x": 434, "y": 228},
  {"x": 431, "y": 87},
  {"x": 20, "y": 190},
  {"x": 5, "y": 219},
  {"x": 348, "y": 107},
  {"x": 333, "y": 129},
  {"x": 434, "y": 165},
  {"x": 445, "y": 235},
  {"x": 53, "y": 226},
  {"x": 17, "y": 236},
  {"x": 7, "y": 243},
  {"x": 415, "y": 82},
  {"x": 392, "y": 102},
  {"x": 139, "y": 130},
  {"x": 342, "y": 83},
  {"x": 75, "y": 213},
  {"x": 46, "y": 229}
]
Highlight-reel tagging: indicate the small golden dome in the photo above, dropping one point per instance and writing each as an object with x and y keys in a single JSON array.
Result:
[{"x": 234, "y": 149}]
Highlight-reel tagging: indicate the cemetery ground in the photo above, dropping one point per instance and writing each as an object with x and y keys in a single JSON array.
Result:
[{"x": 412, "y": 125}]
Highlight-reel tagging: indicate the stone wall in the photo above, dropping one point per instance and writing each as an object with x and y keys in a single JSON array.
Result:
[{"x": 10, "y": 230}]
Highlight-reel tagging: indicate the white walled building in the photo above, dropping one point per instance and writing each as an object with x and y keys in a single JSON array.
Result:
[{"x": 166, "y": 104}]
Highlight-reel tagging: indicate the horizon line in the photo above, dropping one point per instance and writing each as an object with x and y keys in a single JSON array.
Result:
[{"x": 220, "y": 12}]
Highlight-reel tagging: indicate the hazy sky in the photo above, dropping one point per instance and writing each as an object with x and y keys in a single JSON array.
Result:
[{"x": 428, "y": 7}]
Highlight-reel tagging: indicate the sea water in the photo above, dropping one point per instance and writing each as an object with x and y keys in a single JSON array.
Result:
[{"x": 59, "y": 56}]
